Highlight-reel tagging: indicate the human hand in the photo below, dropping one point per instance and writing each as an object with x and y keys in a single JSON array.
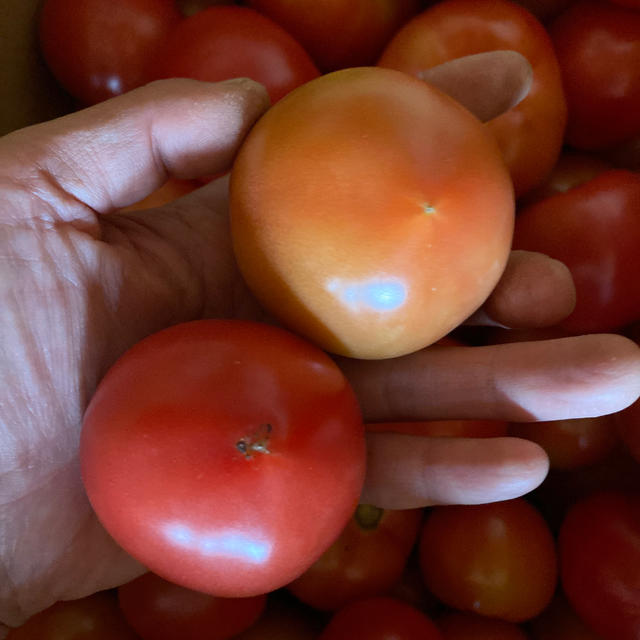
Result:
[{"x": 82, "y": 282}]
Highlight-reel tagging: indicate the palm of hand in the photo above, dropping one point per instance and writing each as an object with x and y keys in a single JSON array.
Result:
[{"x": 83, "y": 271}]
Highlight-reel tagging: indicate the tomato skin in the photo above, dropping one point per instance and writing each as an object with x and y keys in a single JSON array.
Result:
[
  {"x": 225, "y": 42},
  {"x": 160, "y": 610},
  {"x": 380, "y": 618},
  {"x": 594, "y": 229},
  {"x": 598, "y": 48},
  {"x": 469, "y": 626},
  {"x": 366, "y": 560},
  {"x": 599, "y": 546},
  {"x": 340, "y": 33},
  {"x": 529, "y": 135},
  {"x": 571, "y": 443},
  {"x": 96, "y": 617},
  {"x": 497, "y": 560},
  {"x": 99, "y": 49},
  {"x": 350, "y": 229},
  {"x": 262, "y": 439}
]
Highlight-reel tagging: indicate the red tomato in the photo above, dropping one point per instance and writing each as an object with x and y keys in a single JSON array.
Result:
[
  {"x": 224, "y": 455},
  {"x": 96, "y": 617},
  {"x": 285, "y": 618},
  {"x": 394, "y": 202},
  {"x": 529, "y": 135},
  {"x": 628, "y": 423},
  {"x": 219, "y": 43},
  {"x": 496, "y": 560},
  {"x": 99, "y": 49},
  {"x": 600, "y": 563},
  {"x": 631, "y": 4},
  {"x": 444, "y": 428},
  {"x": 594, "y": 229},
  {"x": 380, "y": 618},
  {"x": 598, "y": 48},
  {"x": 189, "y": 7},
  {"x": 572, "y": 169},
  {"x": 469, "y": 626},
  {"x": 340, "y": 33},
  {"x": 366, "y": 560},
  {"x": 571, "y": 443},
  {"x": 560, "y": 622},
  {"x": 161, "y": 610}
]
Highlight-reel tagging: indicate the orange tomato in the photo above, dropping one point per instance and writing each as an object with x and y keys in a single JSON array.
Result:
[{"x": 370, "y": 212}]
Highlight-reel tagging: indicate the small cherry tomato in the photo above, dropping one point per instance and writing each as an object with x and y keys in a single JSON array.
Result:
[
  {"x": 99, "y": 49},
  {"x": 497, "y": 560},
  {"x": 530, "y": 134},
  {"x": 226, "y": 456},
  {"x": 599, "y": 546},
  {"x": 160, "y": 610},
  {"x": 379, "y": 228},
  {"x": 222, "y": 42},
  {"x": 366, "y": 560},
  {"x": 380, "y": 618}
]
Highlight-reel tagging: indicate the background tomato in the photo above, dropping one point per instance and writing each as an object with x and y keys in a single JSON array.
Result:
[
  {"x": 225, "y": 455},
  {"x": 160, "y": 610},
  {"x": 600, "y": 563},
  {"x": 380, "y": 618},
  {"x": 498, "y": 560},
  {"x": 366, "y": 560},
  {"x": 469, "y": 626},
  {"x": 571, "y": 443},
  {"x": 96, "y": 617},
  {"x": 529, "y": 135},
  {"x": 560, "y": 622},
  {"x": 378, "y": 229},
  {"x": 340, "y": 33},
  {"x": 598, "y": 48},
  {"x": 99, "y": 49},
  {"x": 594, "y": 229},
  {"x": 219, "y": 43}
]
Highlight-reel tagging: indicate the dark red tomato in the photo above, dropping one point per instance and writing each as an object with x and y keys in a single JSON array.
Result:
[
  {"x": 160, "y": 610},
  {"x": 545, "y": 10},
  {"x": 571, "y": 443},
  {"x": 631, "y": 4},
  {"x": 224, "y": 455},
  {"x": 99, "y": 49},
  {"x": 380, "y": 618},
  {"x": 497, "y": 560},
  {"x": 469, "y": 626},
  {"x": 572, "y": 169},
  {"x": 628, "y": 423},
  {"x": 96, "y": 617},
  {"x": 189, "y": 7},
  {"x": 599, "y": 547},
  {"x": 598, "y": 48},
  {"x": 285, "y": 618},
  {"x": 560, "y": 622},
  {"x": 366, "y": 560},
  {"x": 594, "y": 229},
  {"x": 444, "y": 428},
  {"x": 219, "y": 43},
  {"x": 340, "y": 33},
  {"x": 529, "y": 135}
]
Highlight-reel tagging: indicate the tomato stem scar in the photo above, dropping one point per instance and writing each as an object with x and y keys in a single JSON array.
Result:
[{"x": 257, "y": 443}]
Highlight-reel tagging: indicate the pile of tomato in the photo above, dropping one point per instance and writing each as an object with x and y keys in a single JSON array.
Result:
[{"x": 562, "y": 562}]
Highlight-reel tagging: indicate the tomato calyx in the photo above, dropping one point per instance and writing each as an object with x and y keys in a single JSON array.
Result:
[
  {"x": 368, "y": 516},
  {"x": 258, "y": 442}
]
